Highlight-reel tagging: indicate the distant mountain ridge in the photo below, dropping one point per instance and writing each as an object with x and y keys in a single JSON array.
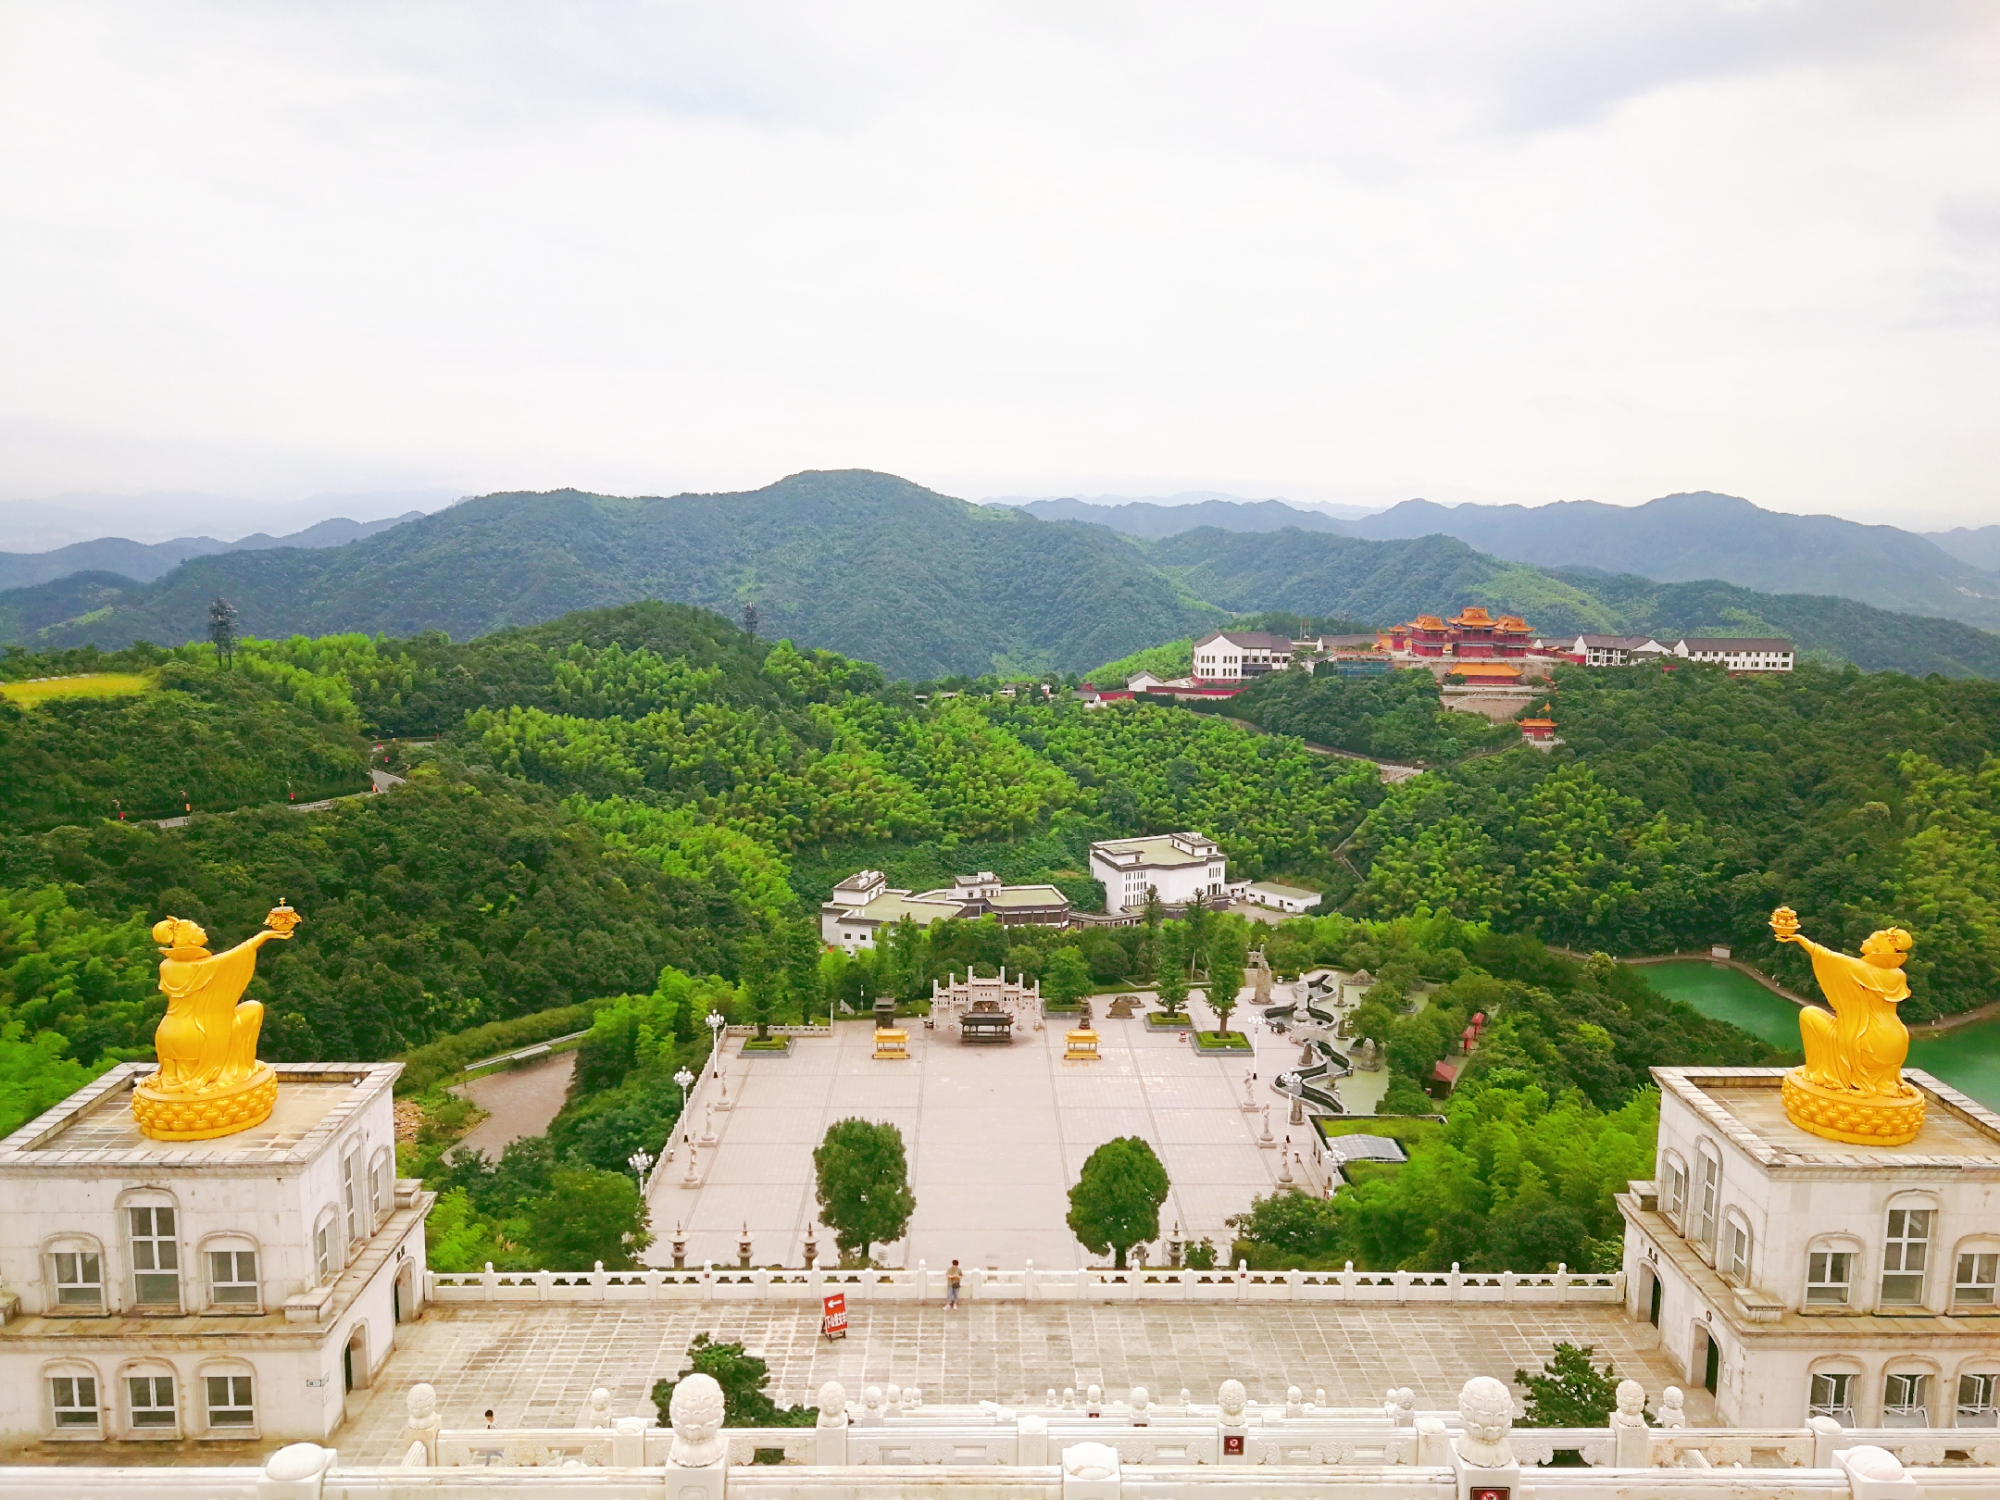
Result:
[
  {"x": 1681, "y": 538},
  {"x": 922, "y": 584},
  {"x": 862, "y": 563},
  {"x": 1150, "y": 519},
  {"x": 142, "y": 562}
]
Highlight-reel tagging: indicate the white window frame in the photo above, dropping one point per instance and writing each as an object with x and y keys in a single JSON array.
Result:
[
  {"x": 326, "y": 1257},
  {"x": 1906, "y": 1256},
  {"x": 1674, "y": 1199},
  {"x": 1733, "y": 1259},
  {"x": 382, "y": 1179},
  {"x": 142, "y": 1420},
  {"x": 1820, "y": 1278},
  {"x": 350, "y": 1197},
  {"x": 1978, "y": 1403},
  {"x": 1708, "y": 1199},
  {"x": 72, "y": 1393},
  {"x": 232, "y": 1290},
  {"x": 1976, "y": 1277},
  {"x": 156, "y": 1253},
  {"x": 1834, "y": 1399},
  {"x": 237, "y": 1413},
  {"x": 1906, "y": 1398},
  {"x": 82, "y": 1289}
]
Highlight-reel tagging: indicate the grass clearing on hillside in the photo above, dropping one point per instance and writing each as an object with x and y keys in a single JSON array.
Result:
[{"x": 87, "y": 685}]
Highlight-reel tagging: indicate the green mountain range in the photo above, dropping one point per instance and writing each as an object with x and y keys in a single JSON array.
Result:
[{"x": 922, "y": 584}]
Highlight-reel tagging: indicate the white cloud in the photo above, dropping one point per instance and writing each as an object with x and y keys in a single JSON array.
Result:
[{"x": 1340, "y": 252}]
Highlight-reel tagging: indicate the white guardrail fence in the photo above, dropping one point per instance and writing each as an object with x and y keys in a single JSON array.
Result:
[
  {"x": 712, "y": 1283},
  {"x": 892, "y": 1447}
]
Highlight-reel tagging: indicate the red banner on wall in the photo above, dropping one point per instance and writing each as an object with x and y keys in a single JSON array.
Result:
[{"x": 833, "y": 1315}]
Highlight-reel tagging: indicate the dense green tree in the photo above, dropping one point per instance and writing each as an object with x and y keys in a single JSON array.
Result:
[
  {"x": 587, "y": 1216},
  {"x": 1569, "y": 1390},
  {"x": 1116, "y": 1201},
  {"x": 1227, "y": 950},
  {"x": 745, "y": 1402},
  {"x": 1066, "y": 977},
  {"x": 863, "y": 1185}
]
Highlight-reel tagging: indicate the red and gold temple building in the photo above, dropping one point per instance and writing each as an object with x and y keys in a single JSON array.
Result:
[{"x": 1470, "y": 635}]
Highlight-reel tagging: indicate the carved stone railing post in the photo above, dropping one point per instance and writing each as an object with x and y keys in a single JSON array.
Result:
[
  {"x": 1347, "y": 1281},
  {"x": 761, "y": 1279},
  {"x": 1829, "y": 1437},
  {"x": 599, "y": 1279},
  {"x": 489, "y": 1281},
  {"x": 1457, "y": 1283},
  {"x": 1294, "y": 1279},
  {"x": 296, "y": 1472},
  {"x": 1401, "y": 1281},
  {"x": 628, "y": 1443},
  {"x": 543, "y": 1280},
  {"x": 922, "y": 1281},
  {"x": 1508, "y": 1281},
  {"x": 1562, "y": 1282}
]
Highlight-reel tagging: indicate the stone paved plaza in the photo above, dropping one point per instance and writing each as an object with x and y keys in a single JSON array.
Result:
[
  {"x": 536, "y": 1366},
  {"x": 996, "y": 1137}
]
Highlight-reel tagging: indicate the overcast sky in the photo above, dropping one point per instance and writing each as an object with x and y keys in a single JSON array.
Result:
[{"x": 1331, "y": 251}]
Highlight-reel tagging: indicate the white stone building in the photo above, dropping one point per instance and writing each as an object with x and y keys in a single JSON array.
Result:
[
  {"x": 1179, "y": 866},
  {"x": 1232, "y": 655},
  {"x": 210, "y": 1290},
  {"x": 864, "y": 903},
  {"x": 1738, "y": 653},
  {"x": 1615, "y": 650},
  {"x": 1290, "y": 899},
  {"x": 1795, "y": 1276}
]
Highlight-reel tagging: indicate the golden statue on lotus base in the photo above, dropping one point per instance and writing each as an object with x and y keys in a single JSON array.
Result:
[
  {"x": 210, "y": 1082},
  {"x": 1851, "y": 1087}
]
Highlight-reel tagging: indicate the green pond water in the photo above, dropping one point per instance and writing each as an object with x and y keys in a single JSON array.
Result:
[{"x": 1968, "y": 1058}]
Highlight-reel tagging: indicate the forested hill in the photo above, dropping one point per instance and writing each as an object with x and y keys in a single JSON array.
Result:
[
  {"x": 921, "y": 584},
  {"x": 1384, "y": 581},
  {"x": 631, "y": 813},
  {"x": 1680, "y": 538},
  {"x": 862, "y": 563}
]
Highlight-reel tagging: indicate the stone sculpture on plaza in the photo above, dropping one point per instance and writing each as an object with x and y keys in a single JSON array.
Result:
[
  {"x": 209, "y": 1081},
  {"x": 696, "y": 1410},
  {"x": 1631, "y": 1439},
  {"x": 1486, "y": 1408},
  {"x": 1851, "y": 1086}
]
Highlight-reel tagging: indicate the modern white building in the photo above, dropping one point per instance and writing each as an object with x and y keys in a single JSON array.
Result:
[
  {"x": 1179, "y": 866},
  {"x": 1232, "y": 655},
  {"x": 224, "y": 1290},
  {"x": 1738, "y": 653},
  {"x": 1615, "y": 650},
  {"x": 1795, "y": 1276},
  {"x": 864, "y": 903},
  {"x": 1291, "y": 899}
]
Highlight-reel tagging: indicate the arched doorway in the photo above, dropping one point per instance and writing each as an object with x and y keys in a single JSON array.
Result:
[
  {"x": 1706, "y": 1365},
  {"x": 1651, "y": 1290},
  {"x": 354, "y": 1359},
  {"x": 404, "y": 1292}
]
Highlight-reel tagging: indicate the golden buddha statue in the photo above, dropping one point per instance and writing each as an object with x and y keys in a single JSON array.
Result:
[
  {"x": 209, "y": 1082},
  {"x": 1851, "y": 1087}
]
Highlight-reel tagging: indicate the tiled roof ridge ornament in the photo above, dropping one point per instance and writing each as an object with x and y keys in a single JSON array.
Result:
[{"x": 1851, "y": 1086}]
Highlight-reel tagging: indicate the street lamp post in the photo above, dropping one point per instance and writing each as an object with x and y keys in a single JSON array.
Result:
[
  {"x": 639, "y": 1161},
  {"x": 715, "y": 1025},
  {"x": 683, "y": 1078}
]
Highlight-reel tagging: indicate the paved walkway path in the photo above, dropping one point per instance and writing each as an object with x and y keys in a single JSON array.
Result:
[
  {"x": 536, "y": 1365},
  {"x": 519, "y": 1101},
  {"x": 996, "y": 1137}
]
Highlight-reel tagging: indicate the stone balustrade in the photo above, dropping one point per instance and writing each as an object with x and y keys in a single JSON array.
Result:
[
  {"x": 890, "y": 1446},
  {"x": 714, "y": 1283}
]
